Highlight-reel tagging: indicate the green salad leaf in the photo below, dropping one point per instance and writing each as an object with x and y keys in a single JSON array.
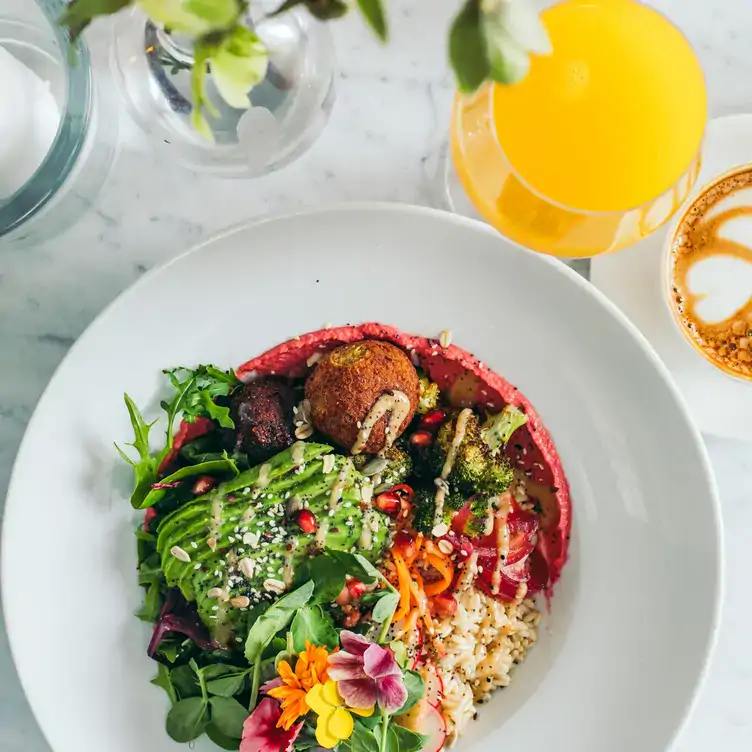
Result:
[
  {"x": 327, "y": 576},
  {"x": 355, "y": 565},
  {"x": 145, "y": 470},
  {"x": 400, "y": 739},
  {"x": 225, "y": 681},
  {"x": 162, "y": 679},
  {"x": 225, "y": 742},
  {"x": 227, "y": 716},
  {"x": 416, "y": 690},
  {"x": 312, "y": 624},
  {"x": 185, "y": 680},
  {"x": 274, "y": 619},
  {"x": 187, "y": 719},
  {"x": 385, "y": 607}
]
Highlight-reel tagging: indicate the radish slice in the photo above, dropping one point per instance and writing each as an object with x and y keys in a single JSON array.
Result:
[
  {"x": 434, "y": 684},
  {"x": 434, "y": 727}
]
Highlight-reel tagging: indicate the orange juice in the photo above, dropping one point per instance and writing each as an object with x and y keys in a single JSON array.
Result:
[{"x": 599, "y": 144}]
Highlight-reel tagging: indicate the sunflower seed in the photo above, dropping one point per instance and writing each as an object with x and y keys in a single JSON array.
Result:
[
  {"x": 445, "y": 547},
  {"x": 246, "y": 567},
  {"x": 274, "y": 586},
  {"x": 240, "y": 601},
  {"x": 303, "y": 432},
  {"x": 212, "y": 543},
  {"x": 374, "y": 467},
  {"x": 445, "y": 338},
  {"x": 440, "y": 530},
  {"x": 179, "y": 554},
  {"x": 217, "y": 593}
]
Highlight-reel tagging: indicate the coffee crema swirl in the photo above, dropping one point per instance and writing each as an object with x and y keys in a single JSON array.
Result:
[{"x": 727, "y": 344}]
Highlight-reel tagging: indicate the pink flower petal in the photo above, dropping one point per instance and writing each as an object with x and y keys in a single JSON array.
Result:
[
  {"x": 358, "y": 693},
  {"x": 260, "y": 732},
  {"x": 390, "y": 693},
  {"x": 271, "y": 684},
  {"x": 352, "y": 643},
  {"x": 378, "y": 662},
  {"x": 345, "y": 666}
]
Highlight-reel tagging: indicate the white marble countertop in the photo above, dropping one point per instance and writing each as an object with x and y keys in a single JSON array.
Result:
[{"x": 389, "y": 121}]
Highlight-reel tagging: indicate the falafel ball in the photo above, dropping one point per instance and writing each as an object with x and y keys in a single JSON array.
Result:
[
  {"x": 263, "y": 414},
  {"x": 347, "y": 383}
]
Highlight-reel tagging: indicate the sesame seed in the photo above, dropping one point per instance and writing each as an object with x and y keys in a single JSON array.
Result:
[{"x": 194, "y": 544}]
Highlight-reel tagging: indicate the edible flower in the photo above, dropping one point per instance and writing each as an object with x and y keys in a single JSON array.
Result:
[
  {"x": 367, "y": 674},
  {"x": 335, "y": 722},
  {"x": 261, "y": 731},
  {"x": 310, "y": 670}
]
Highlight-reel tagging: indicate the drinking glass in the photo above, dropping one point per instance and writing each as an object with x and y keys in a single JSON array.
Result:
[{"x": 599, "y": 145}]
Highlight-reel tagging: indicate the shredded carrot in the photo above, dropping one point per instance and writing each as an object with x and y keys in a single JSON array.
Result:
[
  {"x": 404, "y": 581},
  {"x": 445, "y": 569}
]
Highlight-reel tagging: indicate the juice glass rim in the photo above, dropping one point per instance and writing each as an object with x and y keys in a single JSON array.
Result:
[
  {"x": 667, "y": 265},
  {"x": 494, "y": 86}
]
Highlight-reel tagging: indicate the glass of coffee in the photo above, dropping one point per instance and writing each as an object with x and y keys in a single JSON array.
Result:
[{"x": 708, "y": 272}]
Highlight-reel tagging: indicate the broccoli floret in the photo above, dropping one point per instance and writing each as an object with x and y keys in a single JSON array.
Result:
[
  {"x": 398, "y": 468},
  {"x": 476, "y": 469},
  {"x": 428, "y": 395},
  {"x": 424, "y": 504},
  {"x": 480, "y": 512},
  {"x": 498, "y": 429}
]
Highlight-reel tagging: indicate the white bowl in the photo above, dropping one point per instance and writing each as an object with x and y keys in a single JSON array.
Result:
[{"x": 633, "y": 619}]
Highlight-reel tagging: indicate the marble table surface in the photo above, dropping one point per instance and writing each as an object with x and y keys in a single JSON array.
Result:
[{"x": 388, "y": 125}]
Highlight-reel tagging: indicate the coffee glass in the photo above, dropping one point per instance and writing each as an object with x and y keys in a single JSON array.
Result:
[{"x": 707, "y": 272}]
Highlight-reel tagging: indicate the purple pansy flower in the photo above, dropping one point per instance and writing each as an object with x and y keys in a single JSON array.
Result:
[{"x": 367, "y": 674}]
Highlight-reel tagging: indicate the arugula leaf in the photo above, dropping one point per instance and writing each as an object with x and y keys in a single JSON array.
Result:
[
  {"x": 217, "y": 412},
  {"x": 327, "y": 574},
  {"x": 467, "y": 48},
  {"x": 228, "y": 716},
  {"x": 162, "y": 679},
  {"x": 212, "y": 467},
  {"x": 275, "y": 618},
  {"x": 187, "y": 719},
  {"x": 145, "y": 470},
  {"x": 400, "y": 739},
  {"x": 416, "y": 690},
  {"x": 386, "y": 606},
  {"x": 312, "y": 624},
  {"x": 373, "y": 12}
]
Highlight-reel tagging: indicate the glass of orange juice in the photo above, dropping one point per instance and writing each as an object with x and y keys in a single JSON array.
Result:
[{"x": 599, "y": 144}]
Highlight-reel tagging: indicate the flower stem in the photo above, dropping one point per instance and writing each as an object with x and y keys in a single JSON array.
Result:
[
  {"x": 255, "y": 682},
  {"x": 384, "y": 730}
]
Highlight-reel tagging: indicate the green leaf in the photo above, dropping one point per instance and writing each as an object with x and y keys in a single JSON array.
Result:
[
  {"x": 225, "y": 742},
  {"x": 400, "y": 652},
  {"x": 362, "y": 738},
  {"x": 162, "y": 679},
  {"x": 327, "y": 10},
  {"x": 416, "y": 690},
  {"x": 275, "y": 618},
  {"x": 312, "y": 624},
  {"x": 187, "y": 719},
  {"x": 403, "y": 740},
  {"x": 194, "y": 17},
  {"x": 228, "y": 716},
  {"x": 152, "y": 606},
  {"x": 212, "y": 467},
  {"x": 230, "y": 683},
  {"x": 327, "y": 575},
  {"x": 385, "y": 608},
  {"x": 145, "y": 470},
  {"x": 373, "y": 12},
  {"x": 217, "y": 412},
  {"x": 238, "y": 64},
  {"x": 355, "y": 565},
  {"x": 80, "y": 13},
  {"x": 185, "y": 681},
  {"x": 467, "y": 48}
]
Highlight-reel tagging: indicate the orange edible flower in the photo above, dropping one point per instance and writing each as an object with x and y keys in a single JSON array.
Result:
[{"x": 310, "y": 670}]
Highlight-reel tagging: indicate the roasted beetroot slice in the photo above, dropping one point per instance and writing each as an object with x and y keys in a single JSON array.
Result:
[{"x": 447, "y": 366}]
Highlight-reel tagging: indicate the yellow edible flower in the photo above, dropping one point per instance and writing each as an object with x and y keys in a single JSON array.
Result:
[{"x": 335, "y": 721}]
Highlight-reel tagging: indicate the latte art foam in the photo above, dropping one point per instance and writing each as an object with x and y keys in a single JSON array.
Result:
[{"x": 710, "y": 268}]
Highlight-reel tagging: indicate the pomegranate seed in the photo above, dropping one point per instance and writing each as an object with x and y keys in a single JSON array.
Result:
[
  {"x": 388, "y": 502},
  {"x": 404, "y": 544},
  {"x": 351, "y": 618},
  {"x": 444, "y": 604},
  {"x": 149, "y": 515},
  {"x": 404, "y": 492},
  {"x": 203, "y": 485},
  {"x": 343, "y": 599},
  {"x": 421, "y": 438},
  {"x": 433, "y": 419},
  {"x": 355, "y": 588},
  {"x": 306, "y": 520}
]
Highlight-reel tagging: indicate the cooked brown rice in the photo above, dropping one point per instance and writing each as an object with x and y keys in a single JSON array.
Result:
[{"x": 483, "y": 641}]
